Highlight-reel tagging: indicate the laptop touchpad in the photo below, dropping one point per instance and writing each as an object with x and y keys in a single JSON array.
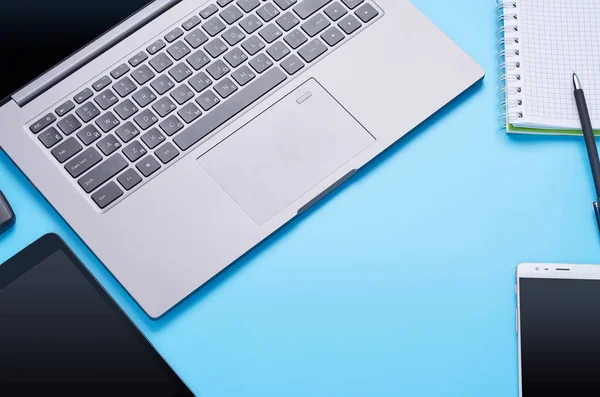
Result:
[{"x": 285, "y": 151}]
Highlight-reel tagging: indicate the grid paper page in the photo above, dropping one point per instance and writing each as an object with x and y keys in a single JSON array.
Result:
[{"x": 560, "y": 37}]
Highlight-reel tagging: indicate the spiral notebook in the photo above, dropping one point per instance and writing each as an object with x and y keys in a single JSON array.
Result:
[{"x": 541, "y": 44}]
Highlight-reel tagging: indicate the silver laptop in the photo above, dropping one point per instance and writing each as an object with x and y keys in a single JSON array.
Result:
[{"x": 193, "y": 129}]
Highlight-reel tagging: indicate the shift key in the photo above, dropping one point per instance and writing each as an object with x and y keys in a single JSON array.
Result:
[
  {"x": 309, "y": 7},
  {"x": 102, "y": 173},
  {"x": 83, "y": 162}
]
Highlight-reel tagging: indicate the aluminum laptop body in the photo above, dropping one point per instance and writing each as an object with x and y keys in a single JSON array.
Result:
[{"x": 266, "y": 140}]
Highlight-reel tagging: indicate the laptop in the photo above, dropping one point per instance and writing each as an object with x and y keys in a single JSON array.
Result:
[{"x": 174, "y": 136}]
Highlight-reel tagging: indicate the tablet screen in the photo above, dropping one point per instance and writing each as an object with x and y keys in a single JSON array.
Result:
[
  {"x": 60, "y": 333},
  {"x": 560, "y": 337}
]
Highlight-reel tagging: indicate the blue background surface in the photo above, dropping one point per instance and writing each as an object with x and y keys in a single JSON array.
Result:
[{"x": 401, "y": 282}]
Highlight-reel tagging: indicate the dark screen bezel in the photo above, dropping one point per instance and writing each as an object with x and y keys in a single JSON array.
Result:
[{"x": 49, "y": 244}]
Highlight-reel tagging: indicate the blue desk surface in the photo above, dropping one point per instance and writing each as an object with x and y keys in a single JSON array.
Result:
[{"x": 401, "y": 282}]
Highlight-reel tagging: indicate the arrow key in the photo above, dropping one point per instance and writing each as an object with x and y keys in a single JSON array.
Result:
[
  {"x": 335, "y": 11},
  {"x": 332, "y": 36},
  {"x": 366, "y": 13}
]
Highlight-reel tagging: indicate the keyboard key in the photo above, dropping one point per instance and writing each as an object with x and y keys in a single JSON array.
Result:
[
  {"x": 134, "y": 151},
  {"x": 190, "y": 23},
  {"x": 171, "y": 125},
  {"x": 312, "y": 50},
  {"x": 235, "y": 57},
  {"x": 153, "y": 138},
  {"x": 83, "y": 162},
  {"x": 308, "y": 7},
  {"x": 278, "y": 51},
  {"x": 148, "y": 166},
  {"x": 229, "y": 109},
  {"x": 106, "y": 99},
  {"x": 119, "y": 71},
  {"x": 189, "y": 113},
  {"x": 127, "y": 132},
  {"x": 66, "y": 150},
  {"x": 50, "y": 137},
  {"x": 173, "y": 35},
  {"x": 107, "y": 195},
  {"x": 146, "y": 119},
  {"x": 138, "y": 58},
  {"x": 253, "y": 45},
  {"x": 209, "y": 11},
  {"x": 180, "y": 72},
  {"x": 287, "y": 21},
  {"x": 64, "y": 108},
  {"x": 200, "y": 82},
  {"x": 349, "y": 24},
  {"x": 352, "y": 4},
  {"x": 248, "y": 5},
  {"x": 267, "y": 12},
  {"x": 162, "y": 84},
  {"x": 208, "y": 100},
  {"x": 83, "y": 95},
  {"x": 233, "y": 36},
  {"x": 43, "y": 123},
  {"x": 103, "y": 82},
  {"x": 182, "y": 94},
  {"x": 155, "y": 47},
  {"x": 102, "y": 173},
  {"x": 142, "y": 75},
  {"x": 69, "y": 124},
  {"x": 161, "y": 62},
  {"x": 107, "y": 122},
  {"x": 225, "y": 88},
  {"x": 124, "y": 87},
  {"x": 196, "y": 38},
  {"x": 270, "y": 33},
  {"x": 260, "y": 63},
  {"x": 108, "y": 144},
  {"x": 215, "y": 48},
  {"x": 295, "y": 39},
  {"x": 88, "y": 112},
  {"x": 217, "y": 69},
  {"x": 129, "y": 179},
  {"x": 335, "y": 11},
  {"x": 315, "y": 25},
  {"x": 166, "y": 153},
  {"x": 332, "y": 36},
  {"x": 213, "y": 26},
  {"x": 243, "y": 75},
  {"x": 178, "y": 50},
  {"x": 164, "y": 106},
  {"x": 231, "y": 14},
  {"x": 223, "y": 3},
  {"x": 126, "y": 109},
  {"x": 89, "y": 135},
  {"x": 366, "y": 13},
  {"x": 144, "y": 97},
  {"x": 198, "y": 60},
  {"x": 292, "y": 64},
  {"x": 285, "y": 4},
  {"x": 251, "y": 24}
]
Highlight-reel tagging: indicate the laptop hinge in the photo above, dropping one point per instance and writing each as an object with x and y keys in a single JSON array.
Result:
[{"x": 91, "y": 51}]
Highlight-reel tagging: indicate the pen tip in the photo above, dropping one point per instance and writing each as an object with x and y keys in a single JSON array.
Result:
[{"x": 576, "y": 82}]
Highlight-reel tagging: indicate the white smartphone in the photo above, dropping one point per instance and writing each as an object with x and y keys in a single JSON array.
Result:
[{"x": 558, "y": 325}]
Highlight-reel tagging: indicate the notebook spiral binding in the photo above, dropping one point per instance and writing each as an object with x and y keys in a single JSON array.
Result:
[{"x": 509, "y": 62}]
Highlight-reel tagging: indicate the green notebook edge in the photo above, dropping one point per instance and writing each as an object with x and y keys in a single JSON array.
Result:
[{"x": 546, "y": 131}]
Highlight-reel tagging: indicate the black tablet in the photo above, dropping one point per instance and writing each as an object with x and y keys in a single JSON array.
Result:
[{"x": 61, "y": 333}]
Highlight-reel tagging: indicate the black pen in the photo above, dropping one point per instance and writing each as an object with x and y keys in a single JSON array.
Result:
[{"x": 590, "y": 142}]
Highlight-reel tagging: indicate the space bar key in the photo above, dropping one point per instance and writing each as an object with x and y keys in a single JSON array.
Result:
[{"x": 225, "y": 112}]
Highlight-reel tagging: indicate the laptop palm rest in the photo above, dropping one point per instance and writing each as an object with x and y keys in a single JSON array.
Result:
[{"x": 285, "y": 151}]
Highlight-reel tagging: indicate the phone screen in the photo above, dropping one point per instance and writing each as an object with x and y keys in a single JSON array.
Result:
[{"x": 560, "y": 337}]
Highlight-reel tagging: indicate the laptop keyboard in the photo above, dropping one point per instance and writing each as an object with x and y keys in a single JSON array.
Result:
[{"x": 146, "y": 112}]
